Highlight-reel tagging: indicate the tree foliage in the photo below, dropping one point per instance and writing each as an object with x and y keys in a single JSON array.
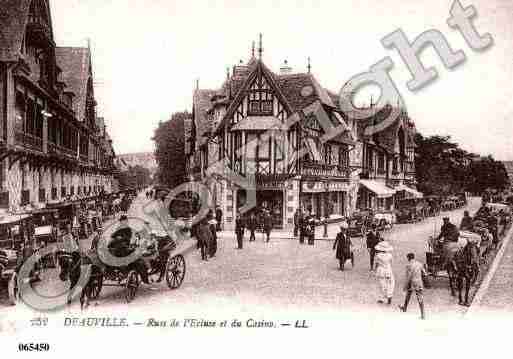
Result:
[
  {"x": 169, "y": 140},
  {"x": 443, "y": 168}
]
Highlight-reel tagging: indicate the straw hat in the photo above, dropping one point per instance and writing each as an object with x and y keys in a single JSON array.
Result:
[
  {"x": 384, "y": 246},
  {"x": 344, "y": 225}
]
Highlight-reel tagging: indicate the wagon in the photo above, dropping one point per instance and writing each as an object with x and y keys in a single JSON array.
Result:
[
  {"x": 159, "y": 261},
  {"x": 16, "y": 245},
  {"x": 384, "y": 219},
  {"x": 358, "y": 223},
  {"x": 435, "y": 254}
]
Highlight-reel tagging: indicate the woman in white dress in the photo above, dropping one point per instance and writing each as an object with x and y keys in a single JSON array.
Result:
[{"x": 384, "y": 273}]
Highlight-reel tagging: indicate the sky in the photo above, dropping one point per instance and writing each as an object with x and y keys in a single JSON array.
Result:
[{"x": 148, "y": 54}]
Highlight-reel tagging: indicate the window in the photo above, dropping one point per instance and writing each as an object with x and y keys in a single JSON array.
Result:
[
  {"x": 381, "y": 162},
  {"x": 395, "y": 165},
  {"x": 20, "y": 112},
  {"x": 327, "y": 154},
  {"x": 279, "y": 152},
  {"x": 343, "y": 157},
  {"x": 260, "y": 102}
]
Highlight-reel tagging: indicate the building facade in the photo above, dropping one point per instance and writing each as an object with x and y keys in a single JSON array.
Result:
[
  {"x": 52, "y": 143},
  {"x": 283, "y": 136}
]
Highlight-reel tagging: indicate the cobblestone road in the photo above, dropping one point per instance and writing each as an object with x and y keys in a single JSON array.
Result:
[{"x": 283, "y": 275}]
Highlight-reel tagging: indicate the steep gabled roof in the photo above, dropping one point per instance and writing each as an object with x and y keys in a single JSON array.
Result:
[
  {"x": 13, "y": 22},
  {"x": 301, "y": 90},
  {"x": 75, "y": 63},
  {"x": 386, "y": 137}
]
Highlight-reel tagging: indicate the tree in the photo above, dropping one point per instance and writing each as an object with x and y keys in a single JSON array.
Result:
[
  {"x": 169, "y": 140},
  {"x": 443, "y": 168}
]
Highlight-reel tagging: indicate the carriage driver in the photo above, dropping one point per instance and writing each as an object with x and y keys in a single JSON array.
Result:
[
  {"x": 449, "y": 232},
  {"x": 121, "y": 246}
]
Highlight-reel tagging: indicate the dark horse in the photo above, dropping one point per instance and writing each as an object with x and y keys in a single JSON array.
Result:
[
  {"x": 464, "y": 267},
  {"x": 72, "y": 265}
]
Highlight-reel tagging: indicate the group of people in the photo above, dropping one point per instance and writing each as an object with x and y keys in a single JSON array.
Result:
[
  {"x": 252, "y": 222},
  {"x": 304, "y": 225},
  {"x": 381, "y": 258}
]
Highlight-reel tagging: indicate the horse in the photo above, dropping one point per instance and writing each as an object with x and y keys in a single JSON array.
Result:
[
  {"x": 72, "y": 265},
  {"x": 463, "y": 267}
]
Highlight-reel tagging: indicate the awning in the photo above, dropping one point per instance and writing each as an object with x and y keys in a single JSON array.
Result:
[
  {"x": 378, "y": 188},
  {"x": 414, "y": 192}
]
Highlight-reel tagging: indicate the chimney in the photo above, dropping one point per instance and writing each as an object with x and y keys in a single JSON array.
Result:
[{"x": 285, "y": 69}]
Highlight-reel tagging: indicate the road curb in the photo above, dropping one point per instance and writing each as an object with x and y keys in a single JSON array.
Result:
[{"x": 483, "y": 288}]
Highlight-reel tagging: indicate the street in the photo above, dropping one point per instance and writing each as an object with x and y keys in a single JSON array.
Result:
[{"x": 283, "y": 274}]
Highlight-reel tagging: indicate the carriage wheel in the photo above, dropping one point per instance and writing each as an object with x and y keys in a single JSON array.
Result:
[
  {"x": 132, "y": 283},
  {"x": 175, "y": 271},
  {"x": 96, "y": 286},
  {"x": 13, "y": 289}
]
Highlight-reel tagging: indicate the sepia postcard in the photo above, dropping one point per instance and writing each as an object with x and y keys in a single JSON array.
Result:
[{"x": 288, "y": 178}]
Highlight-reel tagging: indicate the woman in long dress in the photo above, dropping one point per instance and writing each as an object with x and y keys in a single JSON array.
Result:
[{"x": 384, "y": 273}]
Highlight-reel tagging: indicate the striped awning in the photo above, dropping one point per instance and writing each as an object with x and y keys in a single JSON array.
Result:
[{"x": 378, "y": 188}]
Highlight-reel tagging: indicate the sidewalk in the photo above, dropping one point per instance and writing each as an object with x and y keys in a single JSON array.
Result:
[
  {"x": 333, "y": 230},
  {"x": 497, "y": 296}
]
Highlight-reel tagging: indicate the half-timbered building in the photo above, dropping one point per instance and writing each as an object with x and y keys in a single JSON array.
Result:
[
  {"x": 288, "y": 133},
  {"x": 52, "y": 144}
]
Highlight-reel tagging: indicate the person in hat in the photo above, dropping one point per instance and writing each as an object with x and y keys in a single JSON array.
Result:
[
  {"x": 121, "y": 246},
  {"x": 252, "y": 224},
  {"x": 373, "y": 238},
  {"x": 239, "y": 230},
  {"x": 466, "y": 222},
  {"x": 343, "y": 246},
  {"x": 384, "y": 271},
  {"x": 204, "y": 235},
  {"x": 449, "y": 232},
  {"x": 414, "y": 283},
  {"x": 212, "y": 225}
]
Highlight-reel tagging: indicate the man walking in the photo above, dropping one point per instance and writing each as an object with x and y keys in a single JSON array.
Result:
[
  {"x": 252, "y": 225},
  {"x": 268, "y": 224},
  {"x": 413, "y": 283},
  {"x": 239, "y": 230},
  {"x": 297, "y": 221},
  {"x": 373, "y": 238},
  {"x": 219, "y": 218},
  {"x": 204, "y": 239}
]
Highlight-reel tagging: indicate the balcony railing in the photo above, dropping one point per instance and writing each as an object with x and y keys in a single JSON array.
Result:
[
  {"x": 53, "y": 148},
  {"x": 28, "y": 140},
  {"x": 322, "y": 170}
]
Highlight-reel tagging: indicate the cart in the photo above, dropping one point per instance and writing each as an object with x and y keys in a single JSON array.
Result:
[
  {"x": 16, "y": 245},
  {"x": 159, "y": 261}
]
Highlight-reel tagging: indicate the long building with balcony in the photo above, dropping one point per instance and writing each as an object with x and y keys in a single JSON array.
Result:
[
  {"x": 283, "y": 136},
  {"x": 52, "y": 143}
]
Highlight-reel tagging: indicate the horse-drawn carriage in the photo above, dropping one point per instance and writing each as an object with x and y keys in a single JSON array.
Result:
[
  {"x": 384, "y": 220},
  {"x": 458, "y": 261},
  {"x": 16, "y": 245},
  {"x": 410, "y": 210},
  {"x": 156, "y": 258},
  {"x": 434, "y": 205},
  {"x": 358, "y": 223}
]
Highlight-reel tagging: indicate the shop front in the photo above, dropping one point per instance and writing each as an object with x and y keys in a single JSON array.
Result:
[
  {"x": 325, "y": 198},
  {"x": 375, "y": 195}
]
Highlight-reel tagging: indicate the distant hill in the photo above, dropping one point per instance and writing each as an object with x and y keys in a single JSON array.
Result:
[{"x": 143, "y": 159}]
